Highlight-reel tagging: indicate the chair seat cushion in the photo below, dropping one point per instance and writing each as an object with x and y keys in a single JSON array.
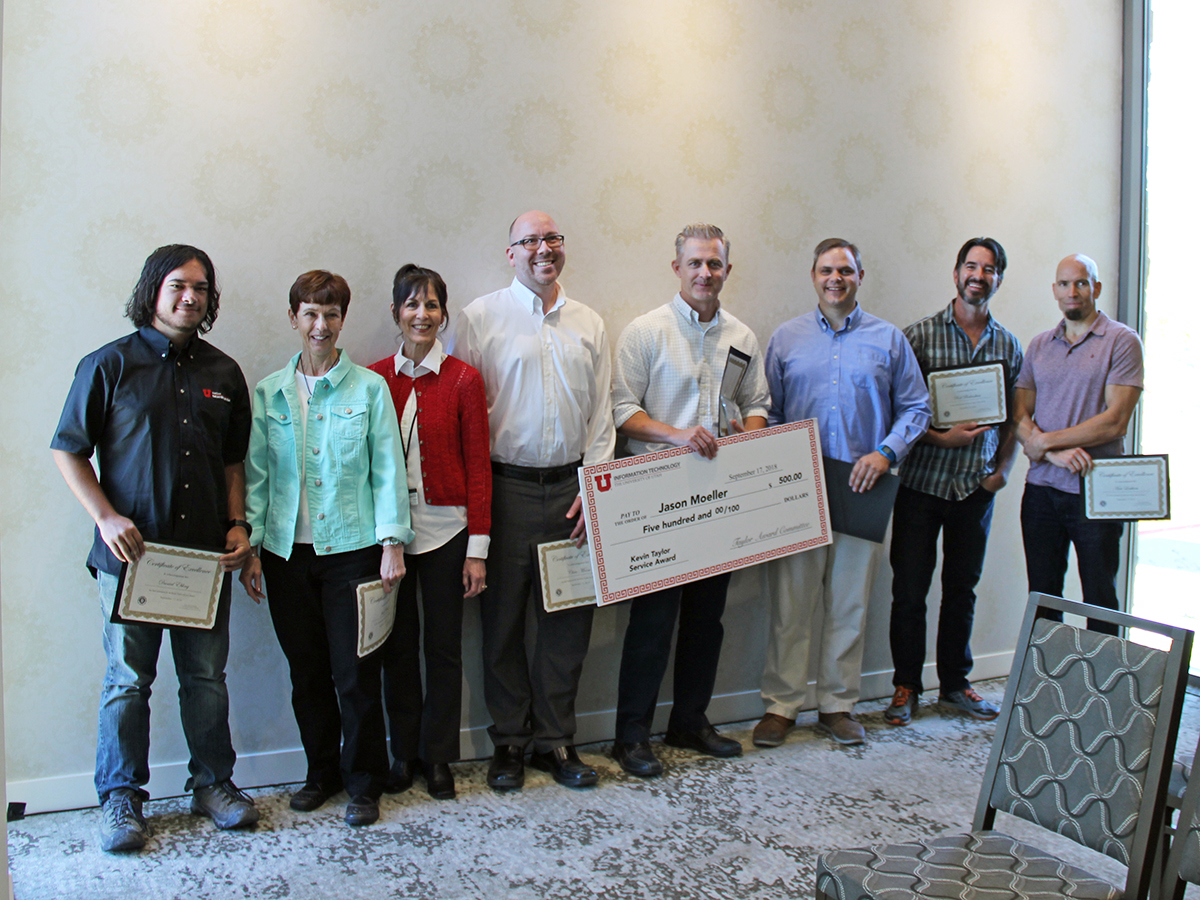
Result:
[{"x": 978, "y": 866}]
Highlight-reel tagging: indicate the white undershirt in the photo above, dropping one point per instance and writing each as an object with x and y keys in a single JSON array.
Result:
[
  {"x": 433, "y": 525},
  {"x": 305, "y": 385}
]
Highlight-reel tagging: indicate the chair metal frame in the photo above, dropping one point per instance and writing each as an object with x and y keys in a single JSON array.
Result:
[
  {"x": 1142, "y": 873},
  {"x": 1173, "y": 885},
  {"x": 1143, "y": 877}
]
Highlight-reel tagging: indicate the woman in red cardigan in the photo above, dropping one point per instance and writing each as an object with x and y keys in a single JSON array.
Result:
[{"x": 442, "y": 409}]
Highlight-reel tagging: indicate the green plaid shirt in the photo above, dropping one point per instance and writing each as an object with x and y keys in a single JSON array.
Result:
[{"x": 938, "y": 341}]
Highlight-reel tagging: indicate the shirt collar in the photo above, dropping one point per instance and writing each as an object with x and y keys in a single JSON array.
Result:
[
  {"x": 431, "y": 363},
  {"x": 159, "y": 342},
  {"x": 532, "y": 301},
  {"x": 1099, "y": 328},
  {"x": 682, "y": 307},
  {"x": 948, "y": 319},
  {"x": 334, "y": 376},
  {"x": 851, "y": 320}
]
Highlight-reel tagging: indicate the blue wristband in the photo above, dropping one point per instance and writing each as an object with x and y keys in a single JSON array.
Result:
[{"x": 885, "y": 450}]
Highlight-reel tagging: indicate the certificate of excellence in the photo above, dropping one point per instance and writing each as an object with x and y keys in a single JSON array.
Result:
[
  {"x": 566, "y": 572},
  {"x": 974, "y": 393},
  {"x": 1127, "y": 487},
  {"x": 171, "y": 586},
  {"x": 671, "y": 517},
  {"x": 376, "y": 613}
]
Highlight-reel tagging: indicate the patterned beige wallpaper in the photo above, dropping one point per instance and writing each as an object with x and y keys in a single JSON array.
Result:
[{"x": 283, "y": 135}]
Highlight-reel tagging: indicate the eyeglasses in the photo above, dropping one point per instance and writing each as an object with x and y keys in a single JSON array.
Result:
[{"x": 553, "y": 241}]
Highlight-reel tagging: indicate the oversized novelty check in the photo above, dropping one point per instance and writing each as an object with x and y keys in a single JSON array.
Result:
[{"x": 671, "y": 517}]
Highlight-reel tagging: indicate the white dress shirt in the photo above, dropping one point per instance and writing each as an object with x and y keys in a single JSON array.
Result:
[
  {"x": 669, "y": 365},
  {"x": 433, "y": 526},
  {"x": 546, "y": 376}
]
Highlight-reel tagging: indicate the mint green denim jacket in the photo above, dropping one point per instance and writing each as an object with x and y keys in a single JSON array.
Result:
[{"x": 354, "y": 470}]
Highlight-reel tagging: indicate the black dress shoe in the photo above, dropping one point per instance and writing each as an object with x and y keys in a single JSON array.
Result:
[
  {"x": 400, "y": 777},
  {"x": 312, "y": 796},
  {"x": 637, "y": 758},
  {"x": 565, "y": 765},
  {"x": 362, "y": 810},
  {"x": 507, "y": 769},
  {"x": 439, "y": 780},
  {"x": 704, "y": 740}
]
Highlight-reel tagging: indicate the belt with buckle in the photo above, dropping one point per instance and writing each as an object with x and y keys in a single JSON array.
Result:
[{"x": 550, "y": 475}]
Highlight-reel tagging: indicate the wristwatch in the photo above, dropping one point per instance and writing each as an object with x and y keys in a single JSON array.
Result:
[
  {"x": 391, "y": 542},
  {"x": 234, "y": 523}
]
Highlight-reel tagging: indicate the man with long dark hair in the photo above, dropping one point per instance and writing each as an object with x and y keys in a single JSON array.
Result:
[{"x": 168, "y": 418}]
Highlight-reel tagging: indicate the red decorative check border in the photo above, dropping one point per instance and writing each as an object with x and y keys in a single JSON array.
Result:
[{"x": 587, "y": 479}]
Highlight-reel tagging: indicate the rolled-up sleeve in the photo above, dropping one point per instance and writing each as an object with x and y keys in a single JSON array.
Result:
[{"x": 631, "y": 376}]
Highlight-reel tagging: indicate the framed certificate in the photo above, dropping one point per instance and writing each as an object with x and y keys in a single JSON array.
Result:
[
  {"x": 171, "y": 586},
  {"x": 376, "y": 613},
  {"x": 566, "y": 572},
  {"x": 974, "y": 393},
  {"x": 1127, "y": 487}
]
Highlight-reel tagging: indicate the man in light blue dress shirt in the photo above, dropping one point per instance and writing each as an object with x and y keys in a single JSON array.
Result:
[{"x": 858, "y": 377}]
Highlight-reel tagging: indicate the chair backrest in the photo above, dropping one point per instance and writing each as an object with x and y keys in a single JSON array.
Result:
[
  {"x": 1082, "y": 744},
  {"x": 1183, "y": 864}
]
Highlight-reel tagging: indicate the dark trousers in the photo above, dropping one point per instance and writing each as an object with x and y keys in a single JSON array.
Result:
[
  {"x": 529, "y": 700},
  {"x": 917, "y": 519},
  {"x": 698, "y": 606},
  {"x": 1052, "y": 520},
  {"x": 427, "y": 728},
  {"x": 335, "y": 695}
]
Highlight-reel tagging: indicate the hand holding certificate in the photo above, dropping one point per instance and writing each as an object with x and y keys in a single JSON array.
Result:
[
  {"x": 1127, "y": 487},
  {"x": 376, "y": 614},
  {"x": 974, "y": 393},
  {"x": 566, "y": 572},
  {"x": 170, "y": 586}
]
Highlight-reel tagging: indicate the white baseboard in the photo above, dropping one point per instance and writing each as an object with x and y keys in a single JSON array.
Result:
[{"x": 287, "y": 766}]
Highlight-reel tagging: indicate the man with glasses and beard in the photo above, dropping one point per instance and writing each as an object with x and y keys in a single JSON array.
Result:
[{"x": 948, "y": 483}]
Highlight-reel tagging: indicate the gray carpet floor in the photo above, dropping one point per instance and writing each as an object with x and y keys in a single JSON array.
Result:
[{"x": 743, "y": 828}]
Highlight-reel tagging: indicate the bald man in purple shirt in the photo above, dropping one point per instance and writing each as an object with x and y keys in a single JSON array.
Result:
[{"x": 1075, "y": 395}]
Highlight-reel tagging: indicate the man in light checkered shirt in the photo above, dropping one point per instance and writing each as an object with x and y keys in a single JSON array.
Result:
[{"x": 666, "y": 393}]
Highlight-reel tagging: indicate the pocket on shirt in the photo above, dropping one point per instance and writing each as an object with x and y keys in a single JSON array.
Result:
[
  {"x": 871, "y": 369},
  {"x": 279, "y": 432},
  {"x": 577, "y": 367},
  {"x": 349, "y": 422}
]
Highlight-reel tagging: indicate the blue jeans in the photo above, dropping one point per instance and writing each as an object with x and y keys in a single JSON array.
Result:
[
  {"x": 123, "y": 739},
  {"x": 917, "y": 518},
  {"x": 1052, "y": 520}
]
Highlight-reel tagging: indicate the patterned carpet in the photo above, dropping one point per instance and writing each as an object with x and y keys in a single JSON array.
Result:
[{"x": 743, "y": 828}]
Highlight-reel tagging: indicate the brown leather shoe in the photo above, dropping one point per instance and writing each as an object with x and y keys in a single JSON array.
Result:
[
  {"x": 771, "y": 730},
  {"x": 842, "y": 727}
]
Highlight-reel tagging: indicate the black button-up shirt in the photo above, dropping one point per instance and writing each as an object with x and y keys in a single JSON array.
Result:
[{"x": 164, "y": 423}]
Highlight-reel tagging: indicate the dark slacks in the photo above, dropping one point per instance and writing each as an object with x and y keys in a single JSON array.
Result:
[
  {"x": 1052, "y": 520},
  {"x": 698, "y": 606},
  {"x": 530, "y": 700},
  {"x": 427, "y": 728},
  {"x": 917, "y": 519},
  {"x": 335, "y": 695}
]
